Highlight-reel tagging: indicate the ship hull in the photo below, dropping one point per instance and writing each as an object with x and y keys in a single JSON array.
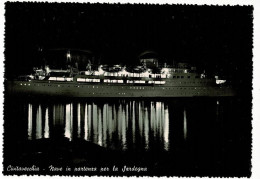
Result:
[{"x": 74, "y": 89}]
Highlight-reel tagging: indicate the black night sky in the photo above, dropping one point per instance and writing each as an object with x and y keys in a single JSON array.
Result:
[{"x": 218, "y": 38}]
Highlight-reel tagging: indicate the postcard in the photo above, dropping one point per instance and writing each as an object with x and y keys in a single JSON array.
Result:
[{"x": 116, "y": 89}]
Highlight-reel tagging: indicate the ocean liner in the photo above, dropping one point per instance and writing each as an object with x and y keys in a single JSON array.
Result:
[{"x": 145, "y": 80}]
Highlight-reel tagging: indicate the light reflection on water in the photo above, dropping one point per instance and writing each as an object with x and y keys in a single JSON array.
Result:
[
  {"x": 68, "y": 121},
  {"x": 46, "y": 124},
  {"x": 184, "y": 124},
  {"x": 122, "y": 125},
  {"x": 29, "y": 121}
]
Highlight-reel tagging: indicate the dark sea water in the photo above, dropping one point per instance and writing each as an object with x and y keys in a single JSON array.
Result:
[{"x": 175, "y": 136}]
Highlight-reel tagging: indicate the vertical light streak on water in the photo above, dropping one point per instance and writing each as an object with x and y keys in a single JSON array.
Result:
[
  {"x": 110, "y": 122},
  {"x": 162, "y": 120},
  {"x": 158, "y": 117},
  {"x": 119, "y": 122},
  {"x": 163, "y": 109},
  {"x": 95, "y": 123},
  {"x": 90, "y": 121},
  {"x": 78, "y": 117},
  {"x": 126, "y": 116},
  {"x": 124, "y": 129},
  {"x": 115, "y": 119},
  {"x": 153, "y": 116},
  {"x": 146, "y": 129},
  {"x": 68, "y": 121},
  {"x": 29, "y": 121},
  {"x": 100, "y": 136},
  {"x": 46, "y": 125},
  {"x": 86, "y": 122},
  {"x": 39, "y": 123},
  {"x": 140, "y": 120},
  {"x": 166, "y": 129},
  {"x": 105, "y": 124},
  {"x": 184, "y": 124},
  {"x": 133, "y": 121},
  {"x": 71, "y": 120}
]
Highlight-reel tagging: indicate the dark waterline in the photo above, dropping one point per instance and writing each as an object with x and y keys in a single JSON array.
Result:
[{"x": 200, "y": 136}]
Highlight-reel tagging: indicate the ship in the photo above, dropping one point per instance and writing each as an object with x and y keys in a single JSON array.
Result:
[{"x": 147, "y": 80}]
